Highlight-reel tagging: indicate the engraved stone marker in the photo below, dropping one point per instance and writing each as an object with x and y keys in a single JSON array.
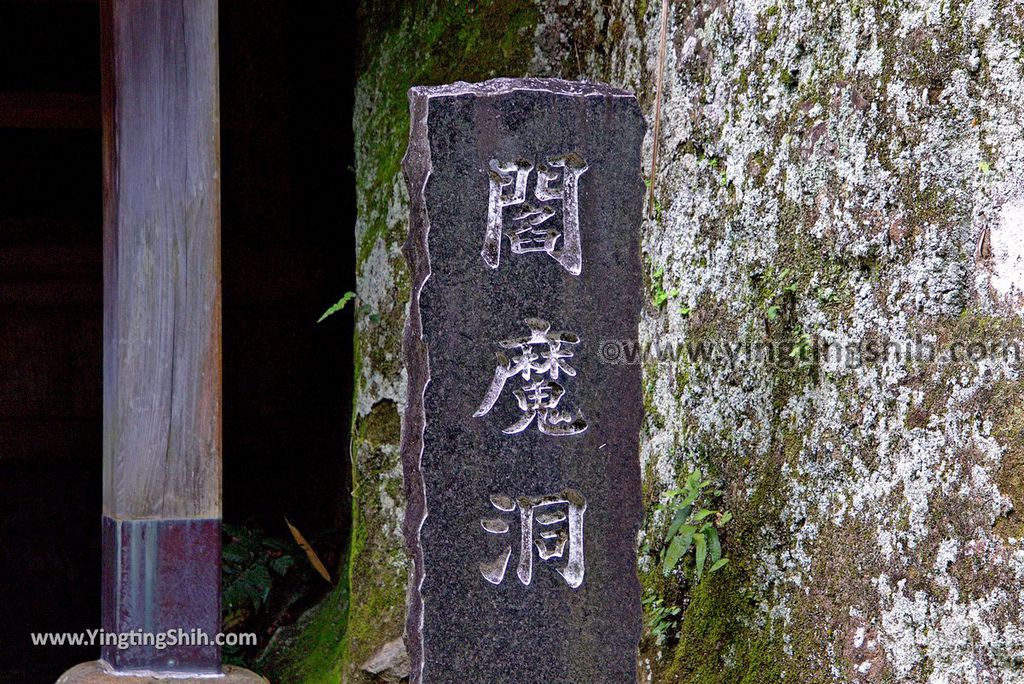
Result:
[{"x": 520, "y": 446}]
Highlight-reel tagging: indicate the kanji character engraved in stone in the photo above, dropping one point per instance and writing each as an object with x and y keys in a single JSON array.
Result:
[
  {"x": 539, "y": 359},
  {"x": 551, "y": 523},
  {"x": 534, "y": 231}
]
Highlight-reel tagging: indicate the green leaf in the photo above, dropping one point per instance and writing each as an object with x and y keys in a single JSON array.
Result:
[
  {"x": 724, "y": 518},
  {"x": 702, "y": 552},
  {"x": 659, "y": 273},
  {"x": 714, "y": 545},
  {"x": 234, "y": 597},
  {"x": 235, "y": 553},
  {"x": 681, "y": 515},
  {"x": 984, "y": 166},
  {"x": 252, "y": 587},
  {"x": 717, "y": 564},
  {"x": 676, "y": 550},
  {"x": 773, "y": 312},
  {"x": 691, "y": 496},
  {"x": 282, "y": 564},
  {"x": 278, "y": 544},
  {"x": 703, "y": 513},
  {"x": 338, "y": 305}
]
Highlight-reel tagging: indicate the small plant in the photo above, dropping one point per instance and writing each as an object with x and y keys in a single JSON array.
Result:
[
  {"x": 251, "y": 563},
  {"x": 802, "y": 347},
  {"x": 693, "y": 526},
  {"x": 784, "y": 275},
  {"x": 338, "y": 305},
  {"x": 660, "y": 295},
  {"x": 787, "y": 291},
  {"x": 661, "y": 618},
  {"x": 363, "y": 309}
]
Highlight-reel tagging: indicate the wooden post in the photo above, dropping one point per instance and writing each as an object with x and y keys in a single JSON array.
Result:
[
  {"x": 162, "y": 333},
  {"x": 161, "y": 355}
]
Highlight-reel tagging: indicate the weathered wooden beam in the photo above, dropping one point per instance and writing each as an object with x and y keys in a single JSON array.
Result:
[
  {"x": 161, "y": 346},
  {"x": 162, "y": 330},
  {"x": 162, "y": 359},
  {"x": 49, "y": 110}
]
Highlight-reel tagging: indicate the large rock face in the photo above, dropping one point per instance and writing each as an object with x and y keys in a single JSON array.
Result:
[{"x": 837, "y": 174}]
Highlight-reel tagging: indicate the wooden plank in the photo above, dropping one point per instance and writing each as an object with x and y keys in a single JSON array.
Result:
[
  {"x": 58, "y": 293},
  {"x": 162, "y": 302},
  {"x": 49, "y": 110},
  {"x": 57, "y": 258},
  {"x": 64, "y": 231},
  {"x": 47, "y": 439}
]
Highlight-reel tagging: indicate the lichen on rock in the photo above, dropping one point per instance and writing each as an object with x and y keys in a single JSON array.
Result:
[{"x": 834, "y": 178}]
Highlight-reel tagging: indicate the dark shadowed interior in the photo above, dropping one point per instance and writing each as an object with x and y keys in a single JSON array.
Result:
[{"x": 287, "y": 254}]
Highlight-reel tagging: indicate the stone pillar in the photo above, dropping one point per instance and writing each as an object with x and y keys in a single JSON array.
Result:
[{"x": 520, "y": 439}]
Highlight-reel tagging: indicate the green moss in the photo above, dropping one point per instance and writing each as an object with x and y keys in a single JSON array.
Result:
[
  {"x": 721, "y": 638},
  {"x": 379, "y": 614},
  {"x": 403, "y": 44},
  {"x": 316, "y": 654},
  {"x": 425, "y": 44},
  {"x": 716, "y": 644},
  {"x": 654, "y": 416}
]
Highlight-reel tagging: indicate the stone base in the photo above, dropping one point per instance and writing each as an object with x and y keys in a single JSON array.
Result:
[{"x": 98, "y": 672}]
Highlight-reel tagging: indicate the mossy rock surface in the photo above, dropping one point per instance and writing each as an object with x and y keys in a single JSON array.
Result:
[{"x": 831, "y": 175}]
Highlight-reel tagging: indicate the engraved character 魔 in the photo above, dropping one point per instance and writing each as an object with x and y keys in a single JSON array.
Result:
[
  {"x": 551, "y": 523},
  {"x": 539, "y": 359},
  {"x": 533, "y": 231}
]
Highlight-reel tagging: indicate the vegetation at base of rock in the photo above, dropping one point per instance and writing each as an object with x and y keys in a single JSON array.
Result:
[
  {"x": 691, "y": 525},
  {"x": 266, "y": 582}
]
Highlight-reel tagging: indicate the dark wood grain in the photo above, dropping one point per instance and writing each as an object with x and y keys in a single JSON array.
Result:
[
  {"x": 162, "y": 302},
  {"x": 49, "y": 110}
]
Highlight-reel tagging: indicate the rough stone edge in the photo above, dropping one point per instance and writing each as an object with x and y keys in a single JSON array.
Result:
[
  {"x": 98, "y": 672},
  {"x": 416, "y": 168},
  {"x": 504, "y": 86}
]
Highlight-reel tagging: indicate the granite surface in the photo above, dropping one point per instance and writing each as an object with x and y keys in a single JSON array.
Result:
[{"x": 520, "y": 444}]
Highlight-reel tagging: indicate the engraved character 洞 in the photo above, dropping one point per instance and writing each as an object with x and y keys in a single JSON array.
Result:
[
  {"x": 539, "y": 360},
  {"x": 551, "y": 523},
  {"x": 557, "y": 183}
]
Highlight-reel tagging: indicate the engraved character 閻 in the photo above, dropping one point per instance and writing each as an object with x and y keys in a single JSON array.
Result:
[{"x": 533, "y": 230}]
